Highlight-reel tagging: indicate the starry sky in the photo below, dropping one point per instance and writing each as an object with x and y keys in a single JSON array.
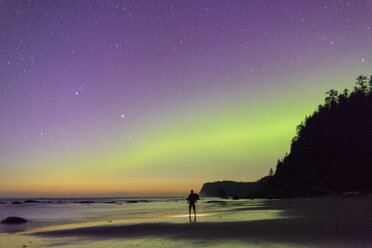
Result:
[{"x": 158, "y": 97}]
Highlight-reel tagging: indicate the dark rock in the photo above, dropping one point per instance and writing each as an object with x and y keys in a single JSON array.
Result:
[
  {"x": 16, "y": 202},
  {"x": 31, "y": 201},
  {"x": 85, "y": 202},
  {"x": 235, "y": 197},
  {"x": 132, "y": 201},
  {"x": 14, "y": 220},
  {"x": 110, "y": 202},
  {"x": 218, "y": 202}
]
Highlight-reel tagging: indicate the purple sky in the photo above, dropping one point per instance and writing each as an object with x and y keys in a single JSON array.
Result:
[{"x": 87, "y": 81}]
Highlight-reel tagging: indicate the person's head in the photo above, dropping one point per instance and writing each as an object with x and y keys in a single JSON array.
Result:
[{"x": 192, "y": 191}]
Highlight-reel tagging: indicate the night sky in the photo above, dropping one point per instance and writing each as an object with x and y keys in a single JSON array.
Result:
[{"x": 162, "y": 96}]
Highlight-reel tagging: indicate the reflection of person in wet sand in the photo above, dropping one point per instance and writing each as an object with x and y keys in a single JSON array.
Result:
[
  {"x": 194, "y": 220},
  {"x": 192, "y": 199}
]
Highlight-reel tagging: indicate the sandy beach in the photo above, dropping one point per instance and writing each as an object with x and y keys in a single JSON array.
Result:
[{"x": 310, "y": 222}]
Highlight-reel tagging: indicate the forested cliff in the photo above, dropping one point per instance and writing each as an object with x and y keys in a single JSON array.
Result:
[{"x": 332, "y": 150}]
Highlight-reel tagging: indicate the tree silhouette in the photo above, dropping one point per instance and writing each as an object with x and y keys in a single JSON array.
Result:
[
  {"x": 361, "y": 84},
  {"x": 332, "y": 98},
  {"x": 271, "y": 172}
]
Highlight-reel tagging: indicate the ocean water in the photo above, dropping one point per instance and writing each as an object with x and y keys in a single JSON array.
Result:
[
  {"x": 46, "y": 212},
  {"x": 42, "y": 212}
]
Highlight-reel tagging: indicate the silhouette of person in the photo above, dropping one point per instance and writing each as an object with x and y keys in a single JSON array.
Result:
[{"x": 192, "y": 199}]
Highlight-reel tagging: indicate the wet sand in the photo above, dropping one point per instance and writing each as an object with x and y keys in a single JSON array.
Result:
[{"x": 311, "y": 222}]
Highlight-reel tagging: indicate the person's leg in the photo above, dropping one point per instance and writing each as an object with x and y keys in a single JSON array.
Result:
[
  {"x": 193, "y": 206},
  {"x": 189, "y": 209}
]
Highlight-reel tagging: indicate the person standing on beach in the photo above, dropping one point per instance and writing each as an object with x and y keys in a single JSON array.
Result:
[{"x": 192, "y": 199}]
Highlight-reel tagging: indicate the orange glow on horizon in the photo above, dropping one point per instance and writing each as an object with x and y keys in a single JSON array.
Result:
[{"x": 132, "y": 188}]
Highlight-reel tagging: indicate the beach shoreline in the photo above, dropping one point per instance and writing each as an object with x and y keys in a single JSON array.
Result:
[{"x": 306, "y": 222}]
